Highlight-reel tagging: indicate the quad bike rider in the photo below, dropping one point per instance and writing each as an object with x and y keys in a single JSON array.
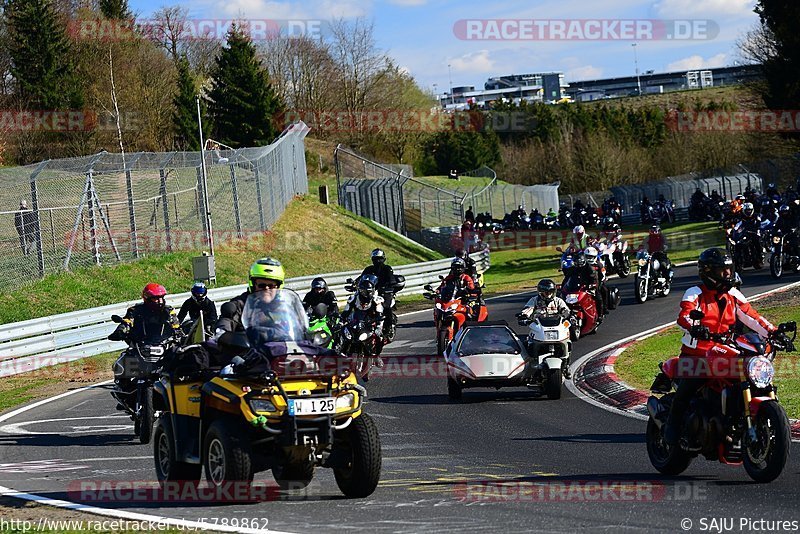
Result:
[
  {"x": 264, "y": 273},
  {"x": 289, "y": 405}
]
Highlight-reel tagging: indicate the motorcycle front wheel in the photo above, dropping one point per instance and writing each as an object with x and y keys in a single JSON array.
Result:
[
  {"x": 641, "y": 289},
  {"x": 667, "y": 459},
  {"x": 765, "y": 457},
  {"x": 145, "y": 416},
  {"x": 625, "y": 267},
  {"x": 776, "y": 265}
]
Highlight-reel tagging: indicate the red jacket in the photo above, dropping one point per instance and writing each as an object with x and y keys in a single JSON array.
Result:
[
  {"x": 465, "y": 281},
  {"x": 654, "y": 243},
  {"x": 721, "y": 310}
]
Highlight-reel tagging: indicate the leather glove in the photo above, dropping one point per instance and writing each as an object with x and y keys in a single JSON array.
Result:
[{"x": 699, "y": 331}]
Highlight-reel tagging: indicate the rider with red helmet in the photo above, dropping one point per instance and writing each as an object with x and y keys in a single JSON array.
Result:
[
  {"x": 722, "y": 305},
  {"x": 150, "y": 321}
]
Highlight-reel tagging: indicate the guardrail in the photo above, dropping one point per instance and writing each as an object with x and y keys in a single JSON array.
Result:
[{"x": 46, "y": 341}]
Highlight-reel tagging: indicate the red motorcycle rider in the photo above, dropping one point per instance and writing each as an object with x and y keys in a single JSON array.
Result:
[{"x": 722, "y": 305}]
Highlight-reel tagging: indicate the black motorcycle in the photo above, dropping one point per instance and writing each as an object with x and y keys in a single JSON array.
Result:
[
  {"x": 785, "y": 253},
  {"x": 135, "y": 372},
  {"x": 744, "y": 246},
  {"x": 649, "y": 280},
  {"x": 360, "y": 340}
]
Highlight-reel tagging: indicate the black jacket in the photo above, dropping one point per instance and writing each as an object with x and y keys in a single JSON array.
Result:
[
  {"x": 230, "y": 319},
  {"x": 385, "y": 275},
  {"x": 194, "y": 309},
  {"x": 313, "y": 298},
  {"x": 141, "y": 325}
]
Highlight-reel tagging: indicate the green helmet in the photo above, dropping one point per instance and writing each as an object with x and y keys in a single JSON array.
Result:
[{"x": 267, "y": 268}]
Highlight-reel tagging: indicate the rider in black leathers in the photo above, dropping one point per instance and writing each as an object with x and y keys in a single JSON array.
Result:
[{"x": 385, "y": 275}]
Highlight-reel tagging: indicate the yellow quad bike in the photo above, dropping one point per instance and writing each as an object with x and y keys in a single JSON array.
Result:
[{"x": 289, "y": 405}]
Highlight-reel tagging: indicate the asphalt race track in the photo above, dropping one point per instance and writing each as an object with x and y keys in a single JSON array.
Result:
[{"x": 444, "y": 464}]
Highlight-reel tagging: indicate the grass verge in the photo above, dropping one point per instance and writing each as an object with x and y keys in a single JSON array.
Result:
[
  {"x": 638, "y": 364},
  {"x": 309, "y": 238}
]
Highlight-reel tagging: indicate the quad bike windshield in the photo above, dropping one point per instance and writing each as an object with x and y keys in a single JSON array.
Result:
[{"x": 274, "y": 316}]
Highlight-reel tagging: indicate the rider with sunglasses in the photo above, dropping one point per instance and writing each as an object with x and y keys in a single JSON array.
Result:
[{"x": 265, "y": 274}]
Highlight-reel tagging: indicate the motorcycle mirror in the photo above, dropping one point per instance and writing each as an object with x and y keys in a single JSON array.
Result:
[
  {"x": 427, "y": 287},
  {"x": 237, "y": 360},
  {"x": 696, "y": 315},
  {"x": 116, "y": 318},
  {"x": 441, "y": 277},
  {"x": 559, "y": 249}
]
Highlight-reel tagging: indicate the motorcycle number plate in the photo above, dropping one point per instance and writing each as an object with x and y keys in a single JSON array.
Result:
[
  {"x": 319, "y": 406},
  {"x": 551, "y": 335}
]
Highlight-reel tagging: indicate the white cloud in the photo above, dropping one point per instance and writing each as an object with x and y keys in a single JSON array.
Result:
[
  {"x": 679, "y": 9},
  {"x": 278, "y": 10},
  {"x": 474, "y": 63},
  {"x": 697, "y": 62},
  {"x": 587, "y": 72}
]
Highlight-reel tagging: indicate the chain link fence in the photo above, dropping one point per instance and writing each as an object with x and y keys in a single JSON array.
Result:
[
  {"x": 392, "y": 196},
  {"x": 65, "y": 214}
]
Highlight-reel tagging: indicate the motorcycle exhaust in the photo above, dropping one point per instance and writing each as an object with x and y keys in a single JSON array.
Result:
[{"x": 656, "y": 411}]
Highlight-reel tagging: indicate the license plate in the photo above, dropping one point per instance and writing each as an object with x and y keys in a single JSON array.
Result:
[{"x": 312, "y": 406}]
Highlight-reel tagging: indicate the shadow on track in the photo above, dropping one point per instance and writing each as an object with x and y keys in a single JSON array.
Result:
[{"x": 590, "y": 438}]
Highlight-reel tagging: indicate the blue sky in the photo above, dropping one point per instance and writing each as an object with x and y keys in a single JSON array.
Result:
[{"x": 420, "y": 34}]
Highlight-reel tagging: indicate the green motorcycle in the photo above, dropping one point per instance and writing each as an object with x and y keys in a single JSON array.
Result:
[{"x": 320, "y": 321}]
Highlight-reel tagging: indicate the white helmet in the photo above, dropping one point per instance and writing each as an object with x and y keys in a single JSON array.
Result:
[
  {"x": 591, "y": 254},
  {"x": 579, "y": 229}
]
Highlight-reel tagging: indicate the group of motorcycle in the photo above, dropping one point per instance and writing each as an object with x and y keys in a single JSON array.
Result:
[{"x": 662, "y": 211}]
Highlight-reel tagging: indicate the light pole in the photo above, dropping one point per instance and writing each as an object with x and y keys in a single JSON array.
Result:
[
  {"x": 636, "y": 63},
  {"x": 450, "y": 77},
  {"x": 436, "y": 93},
  {"x": 210, "y": 235}
]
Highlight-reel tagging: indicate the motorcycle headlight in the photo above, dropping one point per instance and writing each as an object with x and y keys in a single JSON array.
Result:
[
  {"x": 760, "y": 371},
  {"x": 776, "y": 239},
  {"x": 656, "y": 265},
  {"x": 572, "y": 299},
  {"x": 363, "y": 337},
  {"x": 642, "y": 262},
  {"x": 452, "y": 307},
  {"x": 438, "y": 305},
  {"x": 346, "y": 401},
  {"x": 262, "y": 405}
]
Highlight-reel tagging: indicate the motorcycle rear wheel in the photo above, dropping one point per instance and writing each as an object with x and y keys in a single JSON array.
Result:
[{"x": 765, "y": 459}]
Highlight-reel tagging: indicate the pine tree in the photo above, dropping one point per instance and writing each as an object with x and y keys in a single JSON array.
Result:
[
  {"x": 184, "y": 117},
  {"x": 42, "y": 62},
  {"x": 243, "y": 103},
  {"x": 115, "y": 9}
]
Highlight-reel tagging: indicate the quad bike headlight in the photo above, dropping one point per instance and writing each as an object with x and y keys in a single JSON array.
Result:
[
  {"x": 262, "y": 405},
  {"x": 346, "y": 401},
  {"x": 760, "y": 371}
]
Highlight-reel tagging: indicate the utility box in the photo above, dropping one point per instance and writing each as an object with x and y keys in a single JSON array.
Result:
[{"x": 204, "y": 269}]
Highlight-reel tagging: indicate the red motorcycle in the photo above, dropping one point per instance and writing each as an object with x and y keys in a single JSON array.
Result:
[
  {"x": 450, "y": 311},
  {"x": 585, "y": 316},
  {"x": 735, "y": 418}
]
